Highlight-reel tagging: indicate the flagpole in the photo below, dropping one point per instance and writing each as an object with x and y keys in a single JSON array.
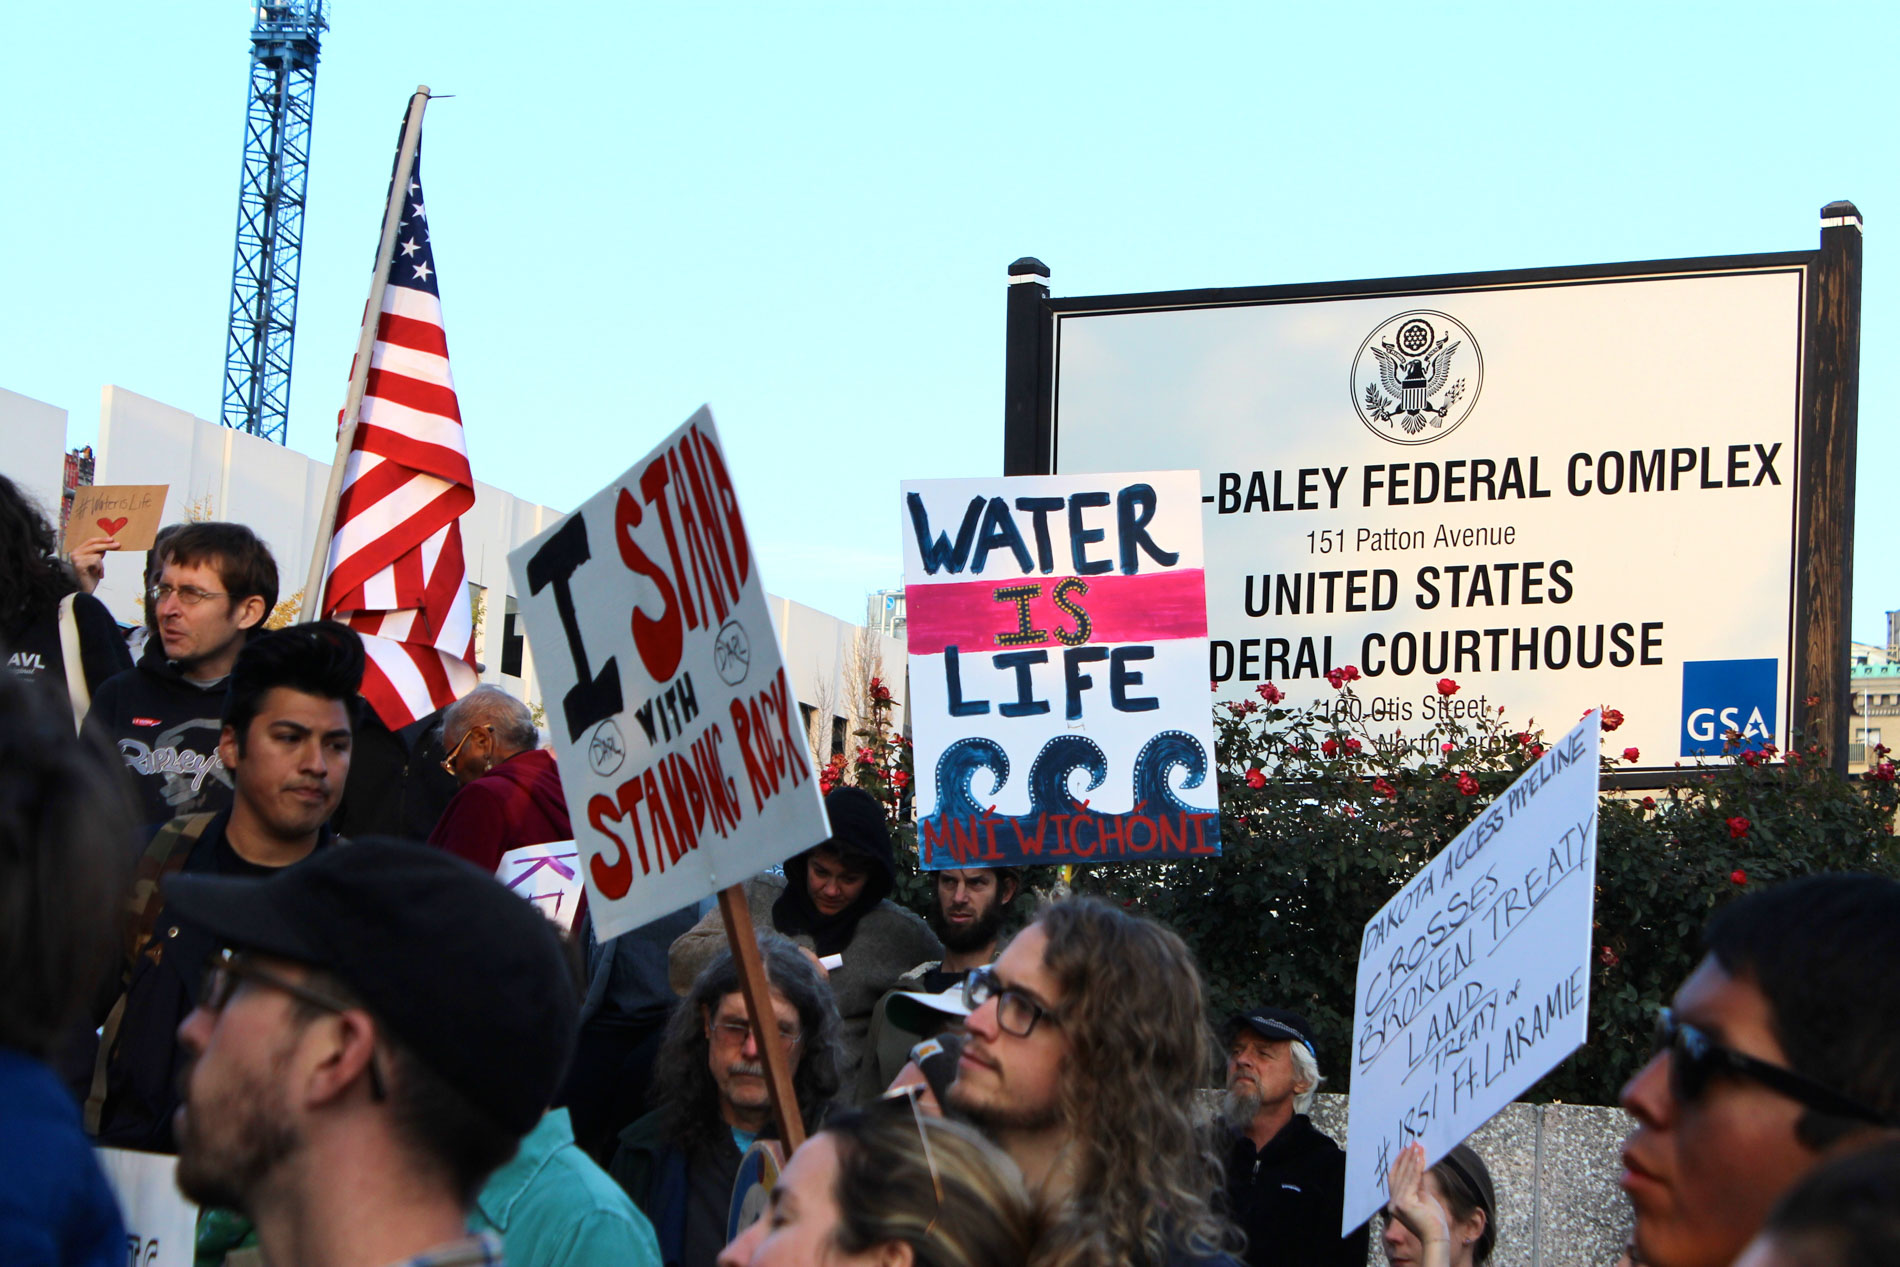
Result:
[{"x": 312, "y": 608}]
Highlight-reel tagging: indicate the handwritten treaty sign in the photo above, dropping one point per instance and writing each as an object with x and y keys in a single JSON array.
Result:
[
  {"x": 1474, "y": 980},
  {"x": 128, "y": 513},
  {"x": 682, "y": 749},
  {"x": 1058, "y": 669}
]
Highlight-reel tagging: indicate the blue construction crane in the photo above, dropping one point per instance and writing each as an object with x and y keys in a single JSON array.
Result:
[{"x": 283, "y": 91}]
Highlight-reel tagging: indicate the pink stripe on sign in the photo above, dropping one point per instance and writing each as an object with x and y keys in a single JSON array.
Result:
[{"x": 1041, "y": 611}]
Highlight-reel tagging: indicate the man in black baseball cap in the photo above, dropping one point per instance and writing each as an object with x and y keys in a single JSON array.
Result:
[
  {"x": 1286, "y": 1181},
  {"x": 386, "y": 1025}
]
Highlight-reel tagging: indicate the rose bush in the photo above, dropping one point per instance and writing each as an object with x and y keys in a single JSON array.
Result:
[{"x": 1322, "y": 820}]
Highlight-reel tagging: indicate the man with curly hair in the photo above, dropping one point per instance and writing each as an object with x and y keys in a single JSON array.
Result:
[
  {"x": 1088, "y": 1046},
  {"x": 679, "y": 1161}
]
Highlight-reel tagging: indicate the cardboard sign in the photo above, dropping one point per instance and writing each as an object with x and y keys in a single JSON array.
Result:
[
  {"x": 682, "y": 748},
  {"x": 548, "y": 875},
  {"x": 161, "y": 1226},
  {"x": 128, "y": 513},
  {"x": 1058, "y": 669},
  {"x": 1474, "y": 980}
]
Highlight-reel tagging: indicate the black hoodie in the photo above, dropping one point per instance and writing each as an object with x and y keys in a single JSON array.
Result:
[
  {"x": 166, "y": 727},
  {"x": 860, "y": 837}
]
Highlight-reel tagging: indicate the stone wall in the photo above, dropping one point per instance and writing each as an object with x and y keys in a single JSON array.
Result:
[{"x": 1555, "y": 1169}]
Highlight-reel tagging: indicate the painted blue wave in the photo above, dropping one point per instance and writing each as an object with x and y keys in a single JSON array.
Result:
[
  {"x": 957, "y": 768},
  {"x": 1049, "y": 773},
  {"x": 1159, "y": 757}
]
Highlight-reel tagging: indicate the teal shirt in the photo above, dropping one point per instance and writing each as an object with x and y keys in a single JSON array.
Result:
[{"x": 553, "y": 1207}]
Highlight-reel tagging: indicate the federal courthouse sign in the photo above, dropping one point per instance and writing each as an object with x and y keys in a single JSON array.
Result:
[{"x": 1561, "y": 488}]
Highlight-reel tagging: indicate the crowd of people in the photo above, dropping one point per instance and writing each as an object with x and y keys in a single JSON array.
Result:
[{"x": 245, "y": 924}]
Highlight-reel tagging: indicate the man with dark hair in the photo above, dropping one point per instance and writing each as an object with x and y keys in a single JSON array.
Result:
[
  {"x": 679, "y": 1161},
  {"x": 833, "y": 902},
  {"x": 1087, "y": 1045},
  {"x": 1781, "y": 1049},
  {"x": 216, "y": 586},
  {"x": 385, "y": 1024},
  {"x": 972, "y": 907},
  {"x": 1286, "y": 1180},
  {"x": 286, "y": 742}
]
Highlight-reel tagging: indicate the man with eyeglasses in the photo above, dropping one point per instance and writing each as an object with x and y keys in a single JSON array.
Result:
[
  {"x": 286, "y": 740},
  {"x": 1087, "y": 1045},
  {"x": 510, "y": 793},
  {"x": 216, "y": 586},
  {"x": 679, "y": 1161},
  {"x": 384, "y": 1026},
  {"x": 1781, "y": 1049}
]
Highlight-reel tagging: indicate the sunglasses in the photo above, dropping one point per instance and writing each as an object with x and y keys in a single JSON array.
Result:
[
  {"x": 912, "y": 1094},
  {"x": 1695, "y": 1058}
]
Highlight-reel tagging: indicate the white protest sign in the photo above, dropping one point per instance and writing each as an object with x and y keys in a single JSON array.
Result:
[
  {"x": 1058, "y": 669},
  {"x": 548, "y": 875},
  {"x": 161, "y": 1226},
  {"x": 1446, "y": 1029},
  {"x": 682, "y": 749}
]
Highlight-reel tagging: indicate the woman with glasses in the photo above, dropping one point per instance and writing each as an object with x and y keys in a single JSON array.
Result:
[
  {"x": 44, "y": 610},
  {"x": 893, "y": 1187},
  {"x": 1445, "y": 1216}
]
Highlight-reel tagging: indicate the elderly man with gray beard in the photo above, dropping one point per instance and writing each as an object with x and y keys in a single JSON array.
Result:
[{"x": 1286, "y": 1181}]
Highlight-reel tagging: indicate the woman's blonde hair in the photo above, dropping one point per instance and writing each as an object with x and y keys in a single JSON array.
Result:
[{"x": 938, "y": 1186}]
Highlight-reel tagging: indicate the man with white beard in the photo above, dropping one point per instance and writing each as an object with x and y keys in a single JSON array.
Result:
[{"x": 1286, "y": 1181}]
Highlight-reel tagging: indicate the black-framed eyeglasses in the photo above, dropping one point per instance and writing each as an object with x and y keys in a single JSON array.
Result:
[
  {"x": 1695, "y": 1057},
  {"x": 1016, "y": 1011},
  {"x": 189, "y": 595},
  {"x": 229, "y": 969}
]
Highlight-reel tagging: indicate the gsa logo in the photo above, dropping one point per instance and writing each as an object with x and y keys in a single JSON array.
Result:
[{"x": 1723, "y": 695}]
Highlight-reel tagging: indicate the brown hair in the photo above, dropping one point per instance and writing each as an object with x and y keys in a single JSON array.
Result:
[
  {"x": 243, "y": 563},
  {"x": 1141, "y": 1050}
]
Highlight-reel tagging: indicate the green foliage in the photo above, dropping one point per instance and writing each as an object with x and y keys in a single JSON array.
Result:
[
  {"x": 1332, "y": 822},
  {"x": 1322, "y": 822}
]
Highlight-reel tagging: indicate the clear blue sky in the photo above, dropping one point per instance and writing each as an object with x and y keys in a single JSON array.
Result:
[{"x": 803, "y": 213}]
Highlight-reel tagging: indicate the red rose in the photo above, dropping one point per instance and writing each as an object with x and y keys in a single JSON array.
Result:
[
  {"x": 1382, "y": 788},
  {"x": 1447, "y": 687},
  {"x": 1632, "y": 754},
  {"x": 1467, "y": 785},
  {"x": 1737, "y": 828},
  {"x": 1256, "y": 778},
  {"x": 1330, "y": 747},
  {"x": 1607, "y": 957},
  {"x": 1270, "y": 693},
  {"x": 1353, "y": 745},
  {"x": 1649, "y": 802},
  {"x": 1738, "y": 876},
  {"x": 899, "y": 778},
  {"x": 1537, "y": 750},
  {"x": 1611, "y": 719}
]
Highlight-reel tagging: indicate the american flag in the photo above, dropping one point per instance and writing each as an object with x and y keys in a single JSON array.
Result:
[{"x": 396, "y": 573}]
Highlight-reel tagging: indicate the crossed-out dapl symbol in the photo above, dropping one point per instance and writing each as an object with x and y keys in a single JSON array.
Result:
[
  {"x": 607, "y": 749},
  {"x": 732, "y": 653}
]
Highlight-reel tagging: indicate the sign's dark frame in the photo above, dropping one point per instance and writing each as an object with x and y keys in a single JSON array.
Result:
[{"x": 1829, "y": 385}]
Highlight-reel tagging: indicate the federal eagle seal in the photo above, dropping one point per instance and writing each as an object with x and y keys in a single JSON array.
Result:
[{"x": 1416, "y": 377}]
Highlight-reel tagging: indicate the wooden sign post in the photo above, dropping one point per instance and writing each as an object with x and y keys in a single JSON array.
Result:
[{"x": 758, "y": 1005}]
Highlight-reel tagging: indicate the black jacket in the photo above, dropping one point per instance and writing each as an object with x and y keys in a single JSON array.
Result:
[
  {"x": 1287, "y": 1198},
  {"x": 33, "y": 652},
  {"x": 166, "y": 728},
  {"x": 143, "y": 1066}
]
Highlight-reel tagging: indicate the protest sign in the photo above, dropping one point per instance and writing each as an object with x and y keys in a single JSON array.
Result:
[
  {"x": 682, "y": 749},
  {"x": 128, "y": 513},
  {"x": 1446, "y": 1029},
  {"x": 161, "y": 1226},
  {"x": 548, "y": 875},
  {"x": 1058, "y": 637}
]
